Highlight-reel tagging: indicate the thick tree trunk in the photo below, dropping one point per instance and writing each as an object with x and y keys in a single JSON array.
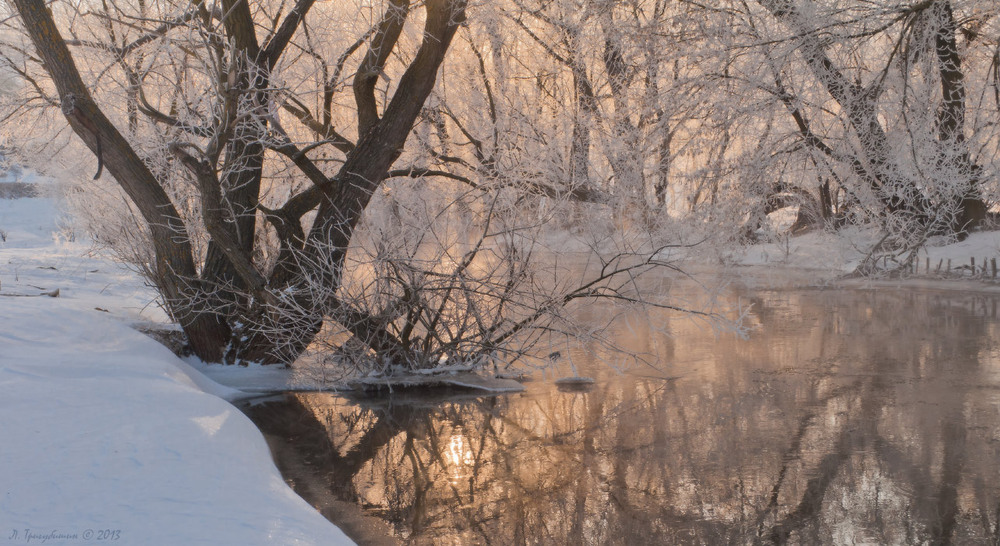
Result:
[
  {"x": 955, "y": 156},
  {"x": 174, "y": 267},
  {"x": 347, "y": 195},
  {"x": 239, "y": 186}
]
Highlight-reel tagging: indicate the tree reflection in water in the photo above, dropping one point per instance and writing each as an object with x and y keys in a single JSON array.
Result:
[{"x": 848, "y": 417}]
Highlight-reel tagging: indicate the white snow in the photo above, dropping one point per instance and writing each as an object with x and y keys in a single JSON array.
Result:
[
  {"x": 107, "y": 437},
  {"x": 467, "y": 380},
  {"x": 819, "y": 257},
  {"x": 254, "y": 378}
]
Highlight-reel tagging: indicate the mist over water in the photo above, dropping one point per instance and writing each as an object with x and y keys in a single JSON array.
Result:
[{"x": 847, "y": 417}]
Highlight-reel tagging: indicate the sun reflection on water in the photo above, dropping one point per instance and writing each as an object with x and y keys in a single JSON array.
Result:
[{"x": 459, "y": 458}]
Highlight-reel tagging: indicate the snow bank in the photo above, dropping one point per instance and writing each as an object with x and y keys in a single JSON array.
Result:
[
  {"x": 819, "y": 250},
  {"x": 820, "y": 258},
  {"x": 107, "y": 436},
  {"x": 102, "y": 430}
]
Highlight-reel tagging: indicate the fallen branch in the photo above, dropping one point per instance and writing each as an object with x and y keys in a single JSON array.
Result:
[{"x": 50, "y": 293}]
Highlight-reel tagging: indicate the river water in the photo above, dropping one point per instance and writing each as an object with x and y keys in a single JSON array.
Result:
[{"x": 847, "y": 417}]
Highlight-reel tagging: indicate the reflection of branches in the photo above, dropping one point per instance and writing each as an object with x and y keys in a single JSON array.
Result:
[
  {"x": 633, "y": 459},
  {"x": 794, "y": 451},
  {"x": 294, "y": 420},
  {"x": 942, "y": 528},
  {"x": 811, "y": 503}
]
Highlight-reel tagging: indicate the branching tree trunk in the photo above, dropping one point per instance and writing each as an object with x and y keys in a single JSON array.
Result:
[
  {"x": 858, "y": 103},
  {"x": 228, "y": 167},
  {"x": 345, "y": 197}
]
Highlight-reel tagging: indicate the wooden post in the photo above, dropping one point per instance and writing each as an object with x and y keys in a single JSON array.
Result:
[
  {"x": 938, "y": 268},
  {"x": 949, "y": 266},
  {"x": 927, "y": 267},
  {"x": 993, "y": 267}
]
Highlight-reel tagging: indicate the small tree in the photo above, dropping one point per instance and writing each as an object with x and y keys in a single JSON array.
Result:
[{"x": 466, "y": 279}]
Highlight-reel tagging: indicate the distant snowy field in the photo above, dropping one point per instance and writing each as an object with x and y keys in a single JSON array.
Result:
[{"x": 107, "y": 436}]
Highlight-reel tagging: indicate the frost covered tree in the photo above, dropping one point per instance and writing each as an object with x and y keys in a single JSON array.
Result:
[
  {"x": 293, "y": 178},
  {"x": 206, "y": 81},
  {"x": 285, "y": 158},
  {"x": 612, "y": 91},
  {"x": 896, "y": 77},
  {"x": 878, "y": 113}
]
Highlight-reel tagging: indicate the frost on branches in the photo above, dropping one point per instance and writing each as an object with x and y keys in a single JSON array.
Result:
[{"x": 394, "y": 181}]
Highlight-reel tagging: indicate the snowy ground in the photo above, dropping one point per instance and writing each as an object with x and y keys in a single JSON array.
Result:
[
  {"x": 107, "y": 436},
  {"x": 823, "y": 257}
]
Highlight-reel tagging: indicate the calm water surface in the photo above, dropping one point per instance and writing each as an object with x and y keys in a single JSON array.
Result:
[{"x": 848, "y": 417}]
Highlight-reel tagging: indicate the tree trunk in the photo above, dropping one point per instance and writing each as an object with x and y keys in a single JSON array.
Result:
[
  {"x": 347, "y": 195},
  {"x": 579, "y": 153},
  {"x": 174, "y": 267},
  {"x": 627, "y": 158},
  {"x": 955, "y": 156}
]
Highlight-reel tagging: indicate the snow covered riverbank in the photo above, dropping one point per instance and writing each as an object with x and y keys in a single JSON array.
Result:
[
  {"x": 824, "y": 258},
  {"x": 107, "y": 436}
]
